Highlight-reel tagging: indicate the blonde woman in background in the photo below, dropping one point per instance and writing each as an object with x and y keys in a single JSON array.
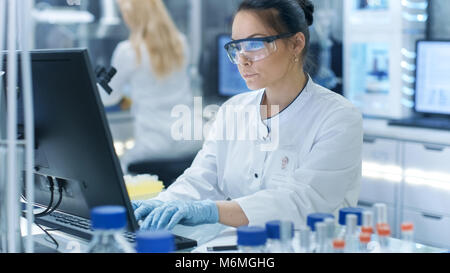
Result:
[{"x": 153, "y": 64}]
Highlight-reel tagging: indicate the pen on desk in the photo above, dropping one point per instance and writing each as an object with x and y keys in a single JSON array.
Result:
[{"x": 222, "y": 248}]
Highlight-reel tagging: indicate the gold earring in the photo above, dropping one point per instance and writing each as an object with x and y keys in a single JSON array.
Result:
[{"x": 296, "y": 59}]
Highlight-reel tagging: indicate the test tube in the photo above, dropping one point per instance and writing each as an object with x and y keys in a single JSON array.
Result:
[
  {"x": 351, "y": 221},
  {"x": 321, "y": 237},
  {"x": 305, "y": 234},
  {"x": 367, "y": 222},
  {"x": 286, "y": 230},
  {"x": 367, "y": 218},
  {"x": 351, "y": 240},
  {"x": 380, "y": 213},
  {"x": 331, "y": 228}
]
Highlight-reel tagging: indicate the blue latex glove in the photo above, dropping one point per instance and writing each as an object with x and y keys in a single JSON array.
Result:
[
  {"x": 143, "y": 208},
  {"x": 188, "y": 213}
]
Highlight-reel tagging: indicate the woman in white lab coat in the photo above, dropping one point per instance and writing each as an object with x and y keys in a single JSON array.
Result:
[
  {"x": 152, "y": 63},
  {"x": 306, "y": 156}
]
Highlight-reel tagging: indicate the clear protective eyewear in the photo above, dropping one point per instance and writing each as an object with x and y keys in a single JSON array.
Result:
[{"x": 253, "y": 49}]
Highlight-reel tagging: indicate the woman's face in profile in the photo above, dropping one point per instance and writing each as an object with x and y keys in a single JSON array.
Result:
[{"x": 263, "y": 73}]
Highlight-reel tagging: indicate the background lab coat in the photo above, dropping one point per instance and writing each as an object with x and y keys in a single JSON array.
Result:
[
  {"x": 153, "y": 100},
  {"x": 316, "y": 168}
]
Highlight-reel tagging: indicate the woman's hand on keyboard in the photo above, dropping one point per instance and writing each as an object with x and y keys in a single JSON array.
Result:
[
  {"x": 143, "y": 208},
  {"x": 189, "y": 213}
]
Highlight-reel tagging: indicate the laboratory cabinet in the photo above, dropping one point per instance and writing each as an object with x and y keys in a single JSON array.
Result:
[
  {"x": 427, "y": 156},
  {"x": 427, "y": 177},
  {"x": 412, "y": 177},
  {"x": 380, "y": 171},
  {"x": 429, "y": 229}
]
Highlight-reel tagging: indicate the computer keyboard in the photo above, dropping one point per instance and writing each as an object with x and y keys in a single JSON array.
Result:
[
  {"x": 429, "y": 123},
  {"x": 180, "y": 241},
  {"x": 81, "y": 227}
]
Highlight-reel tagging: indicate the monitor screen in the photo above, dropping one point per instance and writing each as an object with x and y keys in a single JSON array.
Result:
[
  {"x": 432, "y": 78},
  {"x": 74, "y": 145},
  {"x": 230, "y": 81}
]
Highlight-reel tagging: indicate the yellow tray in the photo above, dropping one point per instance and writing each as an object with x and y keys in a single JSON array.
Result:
[{"x": 144, "y": 190}]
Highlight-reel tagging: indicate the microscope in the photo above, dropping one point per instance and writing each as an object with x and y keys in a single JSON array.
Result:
[{"x": 104, "y": 76}]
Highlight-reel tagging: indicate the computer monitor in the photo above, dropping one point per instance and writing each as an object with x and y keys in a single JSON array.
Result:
[
  {"x": 432, "y": 91},
  {"x": 230, "y": 82},
  {"x": 74, "y": 145}
]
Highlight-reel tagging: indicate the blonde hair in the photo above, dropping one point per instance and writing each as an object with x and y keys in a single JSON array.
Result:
[{"x": 150, "y": 23}]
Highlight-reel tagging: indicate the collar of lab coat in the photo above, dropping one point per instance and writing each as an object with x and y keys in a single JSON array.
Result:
[{"x": 264, "y": 126}]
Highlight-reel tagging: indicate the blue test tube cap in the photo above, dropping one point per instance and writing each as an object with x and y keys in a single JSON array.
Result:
[
  {"x": 161, "y": 241},
  {"x": 345, "y": 211},
  {"x": 273, "y": 229},
  {"x": 314, "y": 218},
  {"x": 108, "y": 217},
  {"x": 251, "y": 236}
]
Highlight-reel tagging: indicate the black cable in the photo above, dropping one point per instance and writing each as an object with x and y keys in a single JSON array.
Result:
[
  {"x": 60, "y": 191},
  {"x": 49, "y": 235},
  {"x": 46, "y": 211},
  {"x": 49, "y": 209}
]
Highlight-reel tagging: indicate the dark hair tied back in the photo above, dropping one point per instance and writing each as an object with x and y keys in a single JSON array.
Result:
[{"x": 308, "y": 8}]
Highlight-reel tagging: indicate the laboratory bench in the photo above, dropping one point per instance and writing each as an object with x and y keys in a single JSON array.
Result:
[
  {"x": 206, "y": 235},
  {"x": 406, "y": 168}
]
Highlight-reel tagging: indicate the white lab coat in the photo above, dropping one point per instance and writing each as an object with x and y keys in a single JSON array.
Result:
[
  {"x": 316, "y": 167},
  {"x": 153, "y": 100}
]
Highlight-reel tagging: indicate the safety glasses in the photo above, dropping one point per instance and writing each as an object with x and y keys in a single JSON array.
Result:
[{"x": 253, "y": 49}]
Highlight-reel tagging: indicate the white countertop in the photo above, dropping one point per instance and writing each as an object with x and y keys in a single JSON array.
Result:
[{"x": 380, "y": 128}]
